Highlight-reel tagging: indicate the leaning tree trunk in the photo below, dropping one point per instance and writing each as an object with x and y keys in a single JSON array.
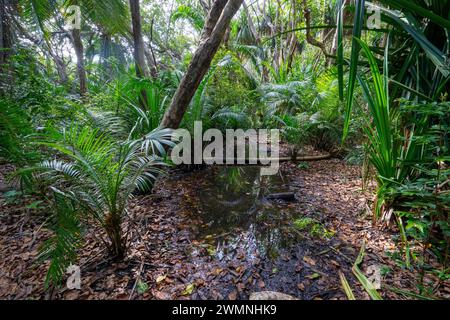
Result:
[
  {"x": 218, "y": 21},
  {"x": 79, "y": 51}
]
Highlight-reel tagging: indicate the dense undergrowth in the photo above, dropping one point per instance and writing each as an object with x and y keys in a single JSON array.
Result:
[{"x": 380, "y": 101}]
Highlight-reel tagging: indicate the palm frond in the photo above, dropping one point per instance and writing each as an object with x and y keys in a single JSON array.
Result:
[
  {"x": 194, "y": 16},
  {"x": 61, "y": 248}
]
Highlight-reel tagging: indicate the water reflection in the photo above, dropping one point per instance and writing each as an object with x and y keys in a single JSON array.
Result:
[{"x": 237, "y": 216}]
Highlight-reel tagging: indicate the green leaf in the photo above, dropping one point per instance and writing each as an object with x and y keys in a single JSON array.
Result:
[
  {"x": 313, "y": 276},
  {"x": 340, "y": 48},
  {"x": 413, "y": 7},
  {"x": 368, "y": 286},
  {"x": 141, "y": 287},
  {"x": 189, "y": 289},
  {"x": 348, "y": 291},
  {"x": 34, "y": 205},
  {"x": 410, "y": 25},
  {"x": 415, "y": 224},
  {"x": 357, "y": 30}
]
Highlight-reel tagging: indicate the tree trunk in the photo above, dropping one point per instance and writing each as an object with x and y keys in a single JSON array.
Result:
[
  {"x": 153, "y": 64},
  {"x": 293, "y": 44},
  {"x": 106, "y": 55},
  {"x": 201, "y": 61},
  {"x": 46, "y": 47},
  {"x": 139, "y": 50},
  {"x": 117, "y": 245},
  {"x": 139, "y": 47},
  {"x": 213, "y": 17},
  {"x": 79, "y": 51},
  {"x": 5, "y": 33},
  {"x": 309, "y": 37},
  {"x": 251, "y": 25},
  {"x": 60, "y": 67}
]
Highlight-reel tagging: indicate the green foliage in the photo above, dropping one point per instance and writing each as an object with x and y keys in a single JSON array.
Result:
[
  {"x": 27, "y": 108},
  {"x": 395, "y": 149},
  {"x": 195, "y": 16},
  {"x": 61, "y": 248},
  {"x": 357, "y": 28},
  {"x": 112, "y": 15},
  {"x": 382, "y": 149},
  {"x": 102, "y": 148},
  {"x": 94, "y": 178},
  {"x": 418, "y": 69},
  {"x": 316, "y": 229},
  {"x": 15, "y": 128},
  {"x": 422, "y": 199},
  {"x": 308, "y": 111},
  {"x": 224, "y": 98}
]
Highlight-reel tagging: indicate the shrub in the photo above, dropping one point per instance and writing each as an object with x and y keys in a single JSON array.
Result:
[{"x": 92, "y": 179}]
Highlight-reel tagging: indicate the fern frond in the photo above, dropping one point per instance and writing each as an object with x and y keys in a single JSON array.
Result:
[{"x": 61, "y": 248}]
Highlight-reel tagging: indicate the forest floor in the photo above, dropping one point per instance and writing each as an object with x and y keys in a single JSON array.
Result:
[{"x": 180, "y": 249}]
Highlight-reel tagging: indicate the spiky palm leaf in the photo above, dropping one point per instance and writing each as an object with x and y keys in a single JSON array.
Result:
[
  {"x": 193, "y": 15},
  {"x": 99, "y": 176}
]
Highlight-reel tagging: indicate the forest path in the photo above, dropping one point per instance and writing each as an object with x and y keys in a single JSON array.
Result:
[{"x": 179, "y": 252}]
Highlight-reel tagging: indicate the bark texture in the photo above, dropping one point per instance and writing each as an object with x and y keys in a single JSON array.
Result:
[
  {"x": 79, "y": 51},
  {"x": 309, "y": 37},
  {"x": 201, "y": 61},
  {"x": 138, "y": 41},
  {"x": 5, "y": 32},
  {"x": 213, "y": 17}
]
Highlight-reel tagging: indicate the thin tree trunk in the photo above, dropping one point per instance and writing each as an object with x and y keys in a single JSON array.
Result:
[
  {"x": 294, "y": 41},
  {"x": 309, "y": 37},
  {"x": 5, "y": 33},
  {"x": 226, "y": 37},
  {"x": 79, "y": 51},
  {"x": 153, "y": 64},
  {"x": 106, "y": 55},
  {"x": 276, "y": 51},
  {"x": 139, "y": 50},
  {"x": 201, "y": 60},
  {"x": 46, "y": 47},
  {"x": 251, "y": 25},
  {"x": 139, "y": 47}
]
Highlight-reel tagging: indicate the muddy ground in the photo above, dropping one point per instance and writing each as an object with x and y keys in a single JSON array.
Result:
[{"x": 195, "y": 239}]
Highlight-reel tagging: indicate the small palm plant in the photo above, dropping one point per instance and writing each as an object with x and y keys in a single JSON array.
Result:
[{"x": 95, "y": 177}]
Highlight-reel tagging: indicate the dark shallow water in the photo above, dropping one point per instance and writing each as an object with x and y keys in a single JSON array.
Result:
[{"x": 236, "y": 213}]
